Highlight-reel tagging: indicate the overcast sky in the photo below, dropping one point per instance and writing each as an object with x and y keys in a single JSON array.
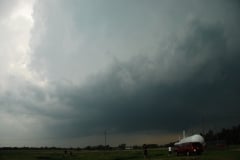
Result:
[{"x": 144, "y": 70}]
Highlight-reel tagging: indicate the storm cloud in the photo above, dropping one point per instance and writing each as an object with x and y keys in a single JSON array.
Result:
[
  {"x": 169, "y": 91},
  {"x": 133, "y": 68}
]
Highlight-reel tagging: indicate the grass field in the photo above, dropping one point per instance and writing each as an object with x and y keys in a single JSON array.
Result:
[{"x": 232, "y": 153}]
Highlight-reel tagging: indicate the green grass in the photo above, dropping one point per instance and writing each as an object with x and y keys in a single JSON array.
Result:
[{"x": 232, "y": 153}]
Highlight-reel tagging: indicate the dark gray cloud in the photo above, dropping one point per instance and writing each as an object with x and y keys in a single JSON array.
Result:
[{"x": 195, "y": 81}]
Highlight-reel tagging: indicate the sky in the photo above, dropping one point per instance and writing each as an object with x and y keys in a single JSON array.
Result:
[{"x": 142, "y": 70}]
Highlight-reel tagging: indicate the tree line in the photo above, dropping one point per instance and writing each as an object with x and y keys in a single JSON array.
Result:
[{"x": 230, "y": 136}]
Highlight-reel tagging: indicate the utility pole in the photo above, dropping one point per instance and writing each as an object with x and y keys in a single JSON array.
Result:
[
  {"x": 105, "y": 138},
  {"x": 184, "y": 134},
  {"x": 203, "y": 127}
]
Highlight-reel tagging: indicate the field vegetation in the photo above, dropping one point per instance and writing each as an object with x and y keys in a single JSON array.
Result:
[{"x": 229, "y": 153}]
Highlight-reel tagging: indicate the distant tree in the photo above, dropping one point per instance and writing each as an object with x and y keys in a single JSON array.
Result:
[
  {"x": 230, "y": 136},
  {"x": 209, "y": 136},
  {"x": 137, "y": 147},
  {"x": 152, "y": 146},
  {"x": 122, "y": 146}
]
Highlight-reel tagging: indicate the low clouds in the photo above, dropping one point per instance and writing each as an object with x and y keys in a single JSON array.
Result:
[
  {"x": 132, "y": 68},
  {"x": 168, "y": 91}
]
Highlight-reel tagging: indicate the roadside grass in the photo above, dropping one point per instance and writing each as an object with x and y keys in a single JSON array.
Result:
[{"x": 230, "y": 153}]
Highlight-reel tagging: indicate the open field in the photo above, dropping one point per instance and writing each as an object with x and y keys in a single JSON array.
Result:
[{"x": 232, "y": 153}]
